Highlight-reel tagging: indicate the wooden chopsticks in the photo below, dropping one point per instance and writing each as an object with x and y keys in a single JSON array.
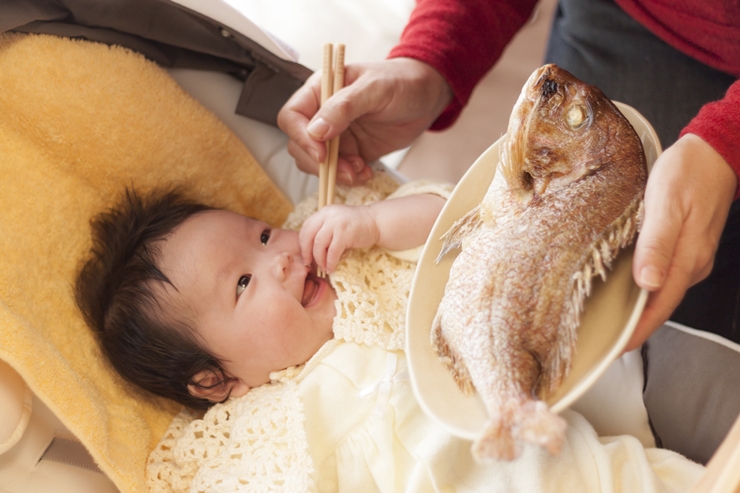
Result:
[{"x": 332, "y": 80}]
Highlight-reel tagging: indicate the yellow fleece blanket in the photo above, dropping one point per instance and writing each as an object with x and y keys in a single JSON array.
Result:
[{"x": 79, "y": 122}]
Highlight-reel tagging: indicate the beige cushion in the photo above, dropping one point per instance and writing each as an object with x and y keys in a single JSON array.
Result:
[{"x": 79, "y": 122}]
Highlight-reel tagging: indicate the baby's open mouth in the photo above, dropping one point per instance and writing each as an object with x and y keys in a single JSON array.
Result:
[{"x": 310, "y": 289}]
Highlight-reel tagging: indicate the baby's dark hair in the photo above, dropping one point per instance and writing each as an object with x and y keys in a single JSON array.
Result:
[{"x": 115, "y": 290}]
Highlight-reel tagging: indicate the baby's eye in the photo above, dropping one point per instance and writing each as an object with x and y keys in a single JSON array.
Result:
[
  {"x": 265, "y": 236},
  {"x": 243, "y": 283}
]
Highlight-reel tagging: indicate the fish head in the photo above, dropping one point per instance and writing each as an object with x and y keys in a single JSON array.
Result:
[{"x": 561, "y": 129}]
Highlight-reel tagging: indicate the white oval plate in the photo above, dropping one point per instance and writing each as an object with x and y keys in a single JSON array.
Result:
[{"x": 607, "y": 322}]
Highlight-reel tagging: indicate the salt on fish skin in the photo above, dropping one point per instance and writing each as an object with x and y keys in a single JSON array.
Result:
[{"x": 566, "y": 198}]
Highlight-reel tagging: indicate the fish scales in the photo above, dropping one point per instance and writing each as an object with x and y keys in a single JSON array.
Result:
[{"x": 567, "y": 198}]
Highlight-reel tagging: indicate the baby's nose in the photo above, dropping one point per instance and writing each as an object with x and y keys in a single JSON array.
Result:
[{"x": 283, "y": 264}]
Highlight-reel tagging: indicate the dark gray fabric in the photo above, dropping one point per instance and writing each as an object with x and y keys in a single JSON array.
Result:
[
  {"x": 171, "y": 36},
  {"x": 692, "y": 391},
  {"x": 599, "y": 43},
  {"x": 714, "y": 303}
]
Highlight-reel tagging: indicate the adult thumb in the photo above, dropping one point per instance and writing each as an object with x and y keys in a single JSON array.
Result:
[
  {"x": 345, "y": 106},
  {"x": 656, "y": 245}
]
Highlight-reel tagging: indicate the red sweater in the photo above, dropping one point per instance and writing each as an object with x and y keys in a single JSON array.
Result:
[{"x": 462, "y": 39}]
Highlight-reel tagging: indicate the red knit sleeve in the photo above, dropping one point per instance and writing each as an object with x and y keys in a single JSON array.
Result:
[
  {"x": 706, "y": 31},
  {"x": 718, "y": 123},
  {"x": 461, "y": 39}
]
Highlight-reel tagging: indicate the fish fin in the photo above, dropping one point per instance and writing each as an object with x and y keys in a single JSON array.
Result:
[
  {"x": 463, "y": 227},
  {"x": 519, "y": 421},
  {"x": 597, "y": 260},
  {"x": 449, "y": 359}
]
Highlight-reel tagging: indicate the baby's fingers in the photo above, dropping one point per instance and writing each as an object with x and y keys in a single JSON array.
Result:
[
  {"x": 334, "y": 254},
  {"x": 316, "y": 237},
  {"x": 321, "y": 244},
  {"x": 307, "y": 238}
]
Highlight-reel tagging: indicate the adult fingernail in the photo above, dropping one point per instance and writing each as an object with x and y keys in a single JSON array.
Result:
[
  {"x": 318, "y": 128},
  {"x": 346, "y": 177},
  {"x": 651, "y": 277},
  {"x": 315, "y": 155},
  {"x": 356, "y": 163}
]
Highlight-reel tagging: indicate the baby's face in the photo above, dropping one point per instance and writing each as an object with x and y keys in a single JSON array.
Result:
[{"x": 257, "y": 307}]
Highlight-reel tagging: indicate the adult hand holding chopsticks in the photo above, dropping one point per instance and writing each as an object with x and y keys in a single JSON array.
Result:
[{"x": 382, "y": 107}]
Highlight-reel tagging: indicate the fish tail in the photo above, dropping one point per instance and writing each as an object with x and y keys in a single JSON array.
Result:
[
  {"x": 540, "y": 426},
  {"x": 496, "y": 442},
  {"x": 520, "y": 422}
]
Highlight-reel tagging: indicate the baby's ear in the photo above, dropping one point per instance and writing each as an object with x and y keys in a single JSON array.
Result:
[{"x": 216, "y": 386}]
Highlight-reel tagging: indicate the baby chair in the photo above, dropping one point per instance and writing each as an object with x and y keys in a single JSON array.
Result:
[{"x": 80, "y": 119}]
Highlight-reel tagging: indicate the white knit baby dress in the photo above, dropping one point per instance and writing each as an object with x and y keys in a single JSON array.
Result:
[{"x": 258, "y": 442}]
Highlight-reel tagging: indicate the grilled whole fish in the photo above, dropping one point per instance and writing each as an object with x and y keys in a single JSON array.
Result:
[{"x": 566, "y": 198}]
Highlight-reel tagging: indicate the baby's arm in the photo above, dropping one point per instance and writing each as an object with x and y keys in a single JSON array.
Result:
[{"x": 394, "y": 224}]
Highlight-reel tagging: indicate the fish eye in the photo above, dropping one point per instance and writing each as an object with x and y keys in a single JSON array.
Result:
[
  {"x": 265, "y": 236},
  {"x": 575, "y": 116},
  {"x": 242, "y": 284}
]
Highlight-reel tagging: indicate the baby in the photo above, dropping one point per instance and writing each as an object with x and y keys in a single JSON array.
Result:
[
  {"x": 308, "y": 374},
  {"x": 198, "y": 304}
]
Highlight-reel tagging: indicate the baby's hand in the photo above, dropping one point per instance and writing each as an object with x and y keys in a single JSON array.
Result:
[{"x": 335, "y": 228}]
